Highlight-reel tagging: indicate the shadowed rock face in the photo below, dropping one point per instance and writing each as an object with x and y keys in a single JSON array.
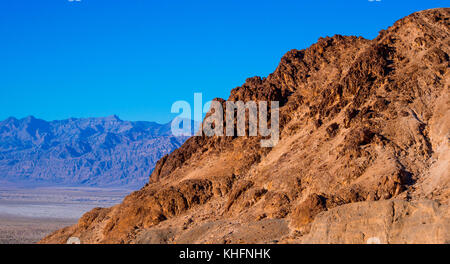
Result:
[
  {"x": 363, "y": 154},
  {"x": 92, "y": 151}
]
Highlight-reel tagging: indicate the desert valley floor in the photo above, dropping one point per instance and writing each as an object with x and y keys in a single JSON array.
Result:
[{"x": 29, "y": 214}]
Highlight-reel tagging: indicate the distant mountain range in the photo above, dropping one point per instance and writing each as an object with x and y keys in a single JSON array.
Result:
[{"x": 86, "y": 151}]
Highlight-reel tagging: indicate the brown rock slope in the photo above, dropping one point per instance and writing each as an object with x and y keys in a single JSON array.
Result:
[{"x": 363, "y": 154}]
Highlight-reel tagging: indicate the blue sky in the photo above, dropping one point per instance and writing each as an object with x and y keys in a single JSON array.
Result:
[{"x": 134, "y": 58}]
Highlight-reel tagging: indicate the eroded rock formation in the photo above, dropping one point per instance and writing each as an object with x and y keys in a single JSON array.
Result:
[{"x": 363, "y": 153}]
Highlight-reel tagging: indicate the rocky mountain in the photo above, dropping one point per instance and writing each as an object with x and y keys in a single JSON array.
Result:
[
  {"x": 363, "y": 154},
  {"x": 88, "y": 151}
]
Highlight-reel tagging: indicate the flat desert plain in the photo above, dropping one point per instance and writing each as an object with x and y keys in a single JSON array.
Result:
[{"x": 29, "y": 214}]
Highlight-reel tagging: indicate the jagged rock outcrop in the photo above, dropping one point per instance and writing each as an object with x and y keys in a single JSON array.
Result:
[
  {"x": 363, "y": 153},
  {"x": 88, "y": 151}
]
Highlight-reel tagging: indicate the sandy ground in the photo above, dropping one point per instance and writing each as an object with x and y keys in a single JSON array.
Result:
[
  {"x": 29, "y": 214},
  {"x": 27, "y": 230}
]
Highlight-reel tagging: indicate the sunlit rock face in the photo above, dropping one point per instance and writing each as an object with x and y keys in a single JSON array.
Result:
[{"x": 362, "y": 158}]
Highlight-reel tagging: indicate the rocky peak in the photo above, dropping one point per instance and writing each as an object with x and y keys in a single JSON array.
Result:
[{"x": 364, "y": 139}]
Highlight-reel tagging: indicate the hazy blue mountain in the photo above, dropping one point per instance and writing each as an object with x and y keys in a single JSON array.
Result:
[{"x": 87, "y": 151}]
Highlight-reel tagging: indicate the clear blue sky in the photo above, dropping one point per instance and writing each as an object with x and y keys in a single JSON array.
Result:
[{"x": 134, "y": 58}]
